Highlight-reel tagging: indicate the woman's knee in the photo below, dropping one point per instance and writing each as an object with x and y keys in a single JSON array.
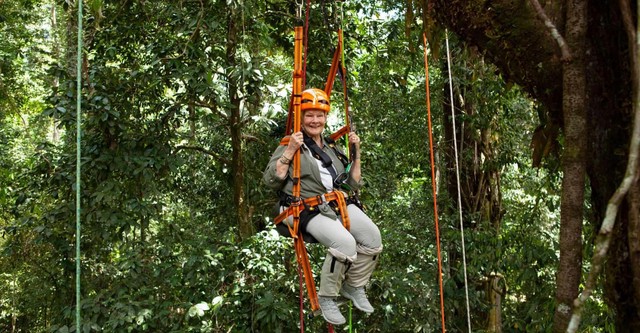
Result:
[
  {"x": 332, "y": 234},
  {"x": 344, "y": 243},
  {"x": 363, "y": 229}
]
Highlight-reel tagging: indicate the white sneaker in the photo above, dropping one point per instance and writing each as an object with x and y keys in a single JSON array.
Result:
[
  {"x": 330, "y": 310},
  {"x": 357, "y": 296}
]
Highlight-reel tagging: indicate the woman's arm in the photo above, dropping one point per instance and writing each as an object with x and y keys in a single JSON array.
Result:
[
  {"x": 278, "y": 167},
  {"x": 355, "y": 172}
]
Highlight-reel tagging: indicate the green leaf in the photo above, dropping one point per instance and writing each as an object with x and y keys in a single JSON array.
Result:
[
  {"x": 198, "y": 309},
  {"x": 217, "y": 302}
]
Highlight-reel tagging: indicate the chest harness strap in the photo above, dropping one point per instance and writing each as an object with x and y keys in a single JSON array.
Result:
[{"x": 320, "y": 155}]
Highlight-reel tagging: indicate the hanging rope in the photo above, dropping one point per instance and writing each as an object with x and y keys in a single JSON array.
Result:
[
  {"x": 455, "y": 149},
  {"x": 78, "y": 160},
  {"x": 433, "y": 183},
  {"x": 300, "y": 273},
  {"x": 302, "y": 71},
  {"x": 301, "y": 287},
  {"x": 306, "y": 44}
]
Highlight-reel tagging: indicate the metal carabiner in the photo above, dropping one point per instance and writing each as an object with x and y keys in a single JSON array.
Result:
[{"x": 299, "y": 9}]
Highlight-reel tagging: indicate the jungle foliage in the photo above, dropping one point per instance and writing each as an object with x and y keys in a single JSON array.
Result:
[{"x": 182, "y": 104}]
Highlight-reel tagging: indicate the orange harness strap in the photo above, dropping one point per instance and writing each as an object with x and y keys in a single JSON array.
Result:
[
  {"x": 337, "y": 196},
  {"x": 343, "y": 76},
  {"x": 334, "y": 65}
]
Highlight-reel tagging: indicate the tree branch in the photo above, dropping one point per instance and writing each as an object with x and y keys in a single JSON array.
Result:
[
  {"x": 211, "y": 106},
  {"x": 566, "y": 54},
  {"x": 205, "y": 151},
  {"x": 250, "y": 138},
  {"x": 604, "y": 235}
]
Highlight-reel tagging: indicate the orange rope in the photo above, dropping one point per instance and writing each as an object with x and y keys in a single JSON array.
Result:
[
  {"x": 333, "y": 70},
  {"x": 433, "y": 182},
  {"x": 343, "y": 72},
  {"x": 298, "y": 74}
]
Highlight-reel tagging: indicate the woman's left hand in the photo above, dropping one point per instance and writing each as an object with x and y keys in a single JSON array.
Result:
[
  {"x": 354, "y": 152},
  {"x": 354, "y": 146},
  {"x": 354, "y": 139}
]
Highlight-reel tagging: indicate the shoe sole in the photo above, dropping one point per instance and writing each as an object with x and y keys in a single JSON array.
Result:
[
  {"x": 345, "y": 295},
  {"x": 333, "y": 322}
]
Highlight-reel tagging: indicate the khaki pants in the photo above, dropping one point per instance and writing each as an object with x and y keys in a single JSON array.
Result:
[{"x": 343, "y": 247}]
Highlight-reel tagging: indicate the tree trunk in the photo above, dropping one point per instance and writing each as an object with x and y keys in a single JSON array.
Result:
[
  {"x": 633, "y": 200},
  {"x": 511, "y": 36},
  {"x": 245, "y": 228},
  {"x": 55, "y": 134},
  {"x": 494, "y": 290},
  {"x": 573, "y": 166},
  {"x": 609, "y": 107}
]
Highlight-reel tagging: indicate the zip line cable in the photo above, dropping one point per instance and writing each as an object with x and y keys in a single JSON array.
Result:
[
  {"x": 455, "y": 149},
  {"x": 78, "y": 160},
  {"x": 433, "y": 182}
]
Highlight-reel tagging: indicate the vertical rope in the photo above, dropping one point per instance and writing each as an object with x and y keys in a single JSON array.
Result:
[
  {"x": 301, "y": 288},
  {"x": 433, "y": 183},
  {"x": 306, "y": 44},
  {"x": 78, "y": 160},
  {"x": 350, "y": 317},
  {"x": 455, "y": 149}
]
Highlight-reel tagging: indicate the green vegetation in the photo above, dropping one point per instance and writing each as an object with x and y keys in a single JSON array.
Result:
[{"x": 181, "y": 98}]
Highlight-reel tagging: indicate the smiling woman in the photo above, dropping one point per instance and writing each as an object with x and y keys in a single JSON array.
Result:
[{"x": 328, "y": 214}]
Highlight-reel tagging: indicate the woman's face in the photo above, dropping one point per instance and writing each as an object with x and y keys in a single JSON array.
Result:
[{"x": 313, "y": 122}]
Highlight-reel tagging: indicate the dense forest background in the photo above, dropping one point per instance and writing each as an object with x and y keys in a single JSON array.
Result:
[{"x": 183, "y": 102}]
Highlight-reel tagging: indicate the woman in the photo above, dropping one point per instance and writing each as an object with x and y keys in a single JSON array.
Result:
[{"x": 351, "y": 255}]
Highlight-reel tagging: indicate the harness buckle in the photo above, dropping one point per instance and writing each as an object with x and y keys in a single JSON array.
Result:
[
  {"x": 323, "y": 199},
  {"x": 295, "y": 201}
]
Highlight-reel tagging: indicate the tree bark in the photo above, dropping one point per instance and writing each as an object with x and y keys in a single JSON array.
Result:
[
  {"x": 633, "y": 200},
  {"x": 573, "y": 166},
  {"x": 494, "y": 291},
  {"x": 511, "y": 36},
  {"x": 609, "y": 107},
  {"x": 245, "y": 229}
]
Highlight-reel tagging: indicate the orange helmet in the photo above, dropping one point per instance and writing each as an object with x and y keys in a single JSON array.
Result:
[{"x": 315, "y": 99}]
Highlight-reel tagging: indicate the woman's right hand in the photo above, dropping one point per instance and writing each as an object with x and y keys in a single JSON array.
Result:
[
  {"x": 295, "y": 141},
  {"x": 282, "y": 164}
]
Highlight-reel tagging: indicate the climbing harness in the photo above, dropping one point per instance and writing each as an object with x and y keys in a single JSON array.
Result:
[
  {"x": 338, "y": 197},
  {"x": 433, "y": 183},
  {"x": 295, "y": 206}
]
